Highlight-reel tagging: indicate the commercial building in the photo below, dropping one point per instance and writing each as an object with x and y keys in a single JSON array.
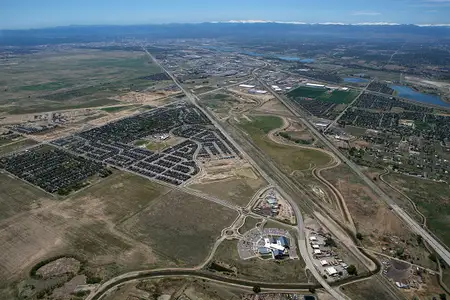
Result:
[
  {"x": 247, "y": 86},
  {"x": 324, "y": 263},
  {"x": 331, "y": 271},
  {"x": 315, "y": 85}
]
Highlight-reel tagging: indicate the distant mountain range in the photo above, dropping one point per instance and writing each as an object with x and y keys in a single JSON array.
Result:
[
  {"x": 236, "y": 29},
  {"x": 329, "y": 23}
]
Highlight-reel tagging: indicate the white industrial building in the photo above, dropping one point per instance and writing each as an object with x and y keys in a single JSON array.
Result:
[
  {"x": 331, "y": 271},
  {"x": 247, "y": 86},
  {"x": 315, "y": 85}
]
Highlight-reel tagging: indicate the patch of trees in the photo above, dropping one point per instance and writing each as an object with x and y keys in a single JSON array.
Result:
[
  {"x": 352, "y": 270},
  {"x": 297, "y": 141}
]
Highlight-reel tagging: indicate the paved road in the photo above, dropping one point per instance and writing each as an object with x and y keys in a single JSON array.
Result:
[
  {"x": 300, "y": 228},
  {"x": 440, "y": 249},
  {"x": 348, "y": 106}
]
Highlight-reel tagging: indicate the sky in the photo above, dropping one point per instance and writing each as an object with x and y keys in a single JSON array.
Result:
[{"x": 23, "y": 14}]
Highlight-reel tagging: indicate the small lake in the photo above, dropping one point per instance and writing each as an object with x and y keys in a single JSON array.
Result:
[
  {"x": 355, "y": 80},
  {"x": 256, "y": 54},
  {"x": 298, "y": 59},
  {"x": 408, "y": 93}
]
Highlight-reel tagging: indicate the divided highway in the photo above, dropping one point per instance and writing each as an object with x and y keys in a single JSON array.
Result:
[
  {"x": 300, "y": 229},
  {"x": 434, "y": 244}
]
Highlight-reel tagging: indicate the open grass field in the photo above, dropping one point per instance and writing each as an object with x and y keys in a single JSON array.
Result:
[
  {"x": 249, "y": 224},
  {"x": 367, "y": 289},
  {"x": 289, "y": 158},
  {"x": 73, "y": 78},
  {"x": 323, "y": 94},
  {"x": 219, "y": 102},
  {"x": 258, "y": 269},
  {"x": 120, "y": 196},
  {"x": 432, "y": 200},
  {"x": 17, "y": 196},
  {"x": 16, "y": 146},
  {"x": 83, "y": 224},
  {"x": 236, "y": 190},
  {"x": 181, "y": 226},
  {"x": 114, "y": 109},
  {"x": 379, "y": 226}
]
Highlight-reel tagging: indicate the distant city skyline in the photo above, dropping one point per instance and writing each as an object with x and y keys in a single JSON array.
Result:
[{"x": 24, "y": 14}]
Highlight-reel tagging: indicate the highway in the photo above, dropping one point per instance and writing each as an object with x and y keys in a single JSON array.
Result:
[
  {"x": 301, "y": 236},
  {"x": 434, "y": 244}
]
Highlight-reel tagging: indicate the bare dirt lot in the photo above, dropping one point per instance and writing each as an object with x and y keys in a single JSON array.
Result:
[{"x": 181, "y": 226}]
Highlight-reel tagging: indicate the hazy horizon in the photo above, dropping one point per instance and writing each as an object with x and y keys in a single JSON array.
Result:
[{"x": 27, "y": 14}]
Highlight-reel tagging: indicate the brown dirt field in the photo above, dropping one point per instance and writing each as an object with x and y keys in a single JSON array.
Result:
[
  {"x": 378, "y": 225},
  {"x": 181, "y": 226},
  {"x": 83, "y": 224},
  {"x": 149, "y": 98}
]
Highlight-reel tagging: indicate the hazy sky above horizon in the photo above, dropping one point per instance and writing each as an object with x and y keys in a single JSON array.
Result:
[{"x": 15, "y": 14}]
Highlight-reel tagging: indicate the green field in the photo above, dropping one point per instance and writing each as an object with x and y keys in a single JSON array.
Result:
[
  {"x": 220, "y": 103},
  {"x": 289, "y": 158},
  {"x": 249, "y": 224},
  {"x": 73, "y": 78},
  {"x": 49, "y": 86},
  {"x": 323, "y": 94},
  {"x": 16, "y": 146},
  {"x": 114, "y": 109}
]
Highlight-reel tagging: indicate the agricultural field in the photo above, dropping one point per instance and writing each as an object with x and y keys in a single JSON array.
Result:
[
  {"x": 256, "y": 268},
  {"x": 180, "y": 226},
  {"x": 322, "y": 94},
  {"x": 432, "y": 200},
  {"x": 83, "y": 224},
  {"x": 289, "y": 158},
  {"x": 41, "y": 81}
]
